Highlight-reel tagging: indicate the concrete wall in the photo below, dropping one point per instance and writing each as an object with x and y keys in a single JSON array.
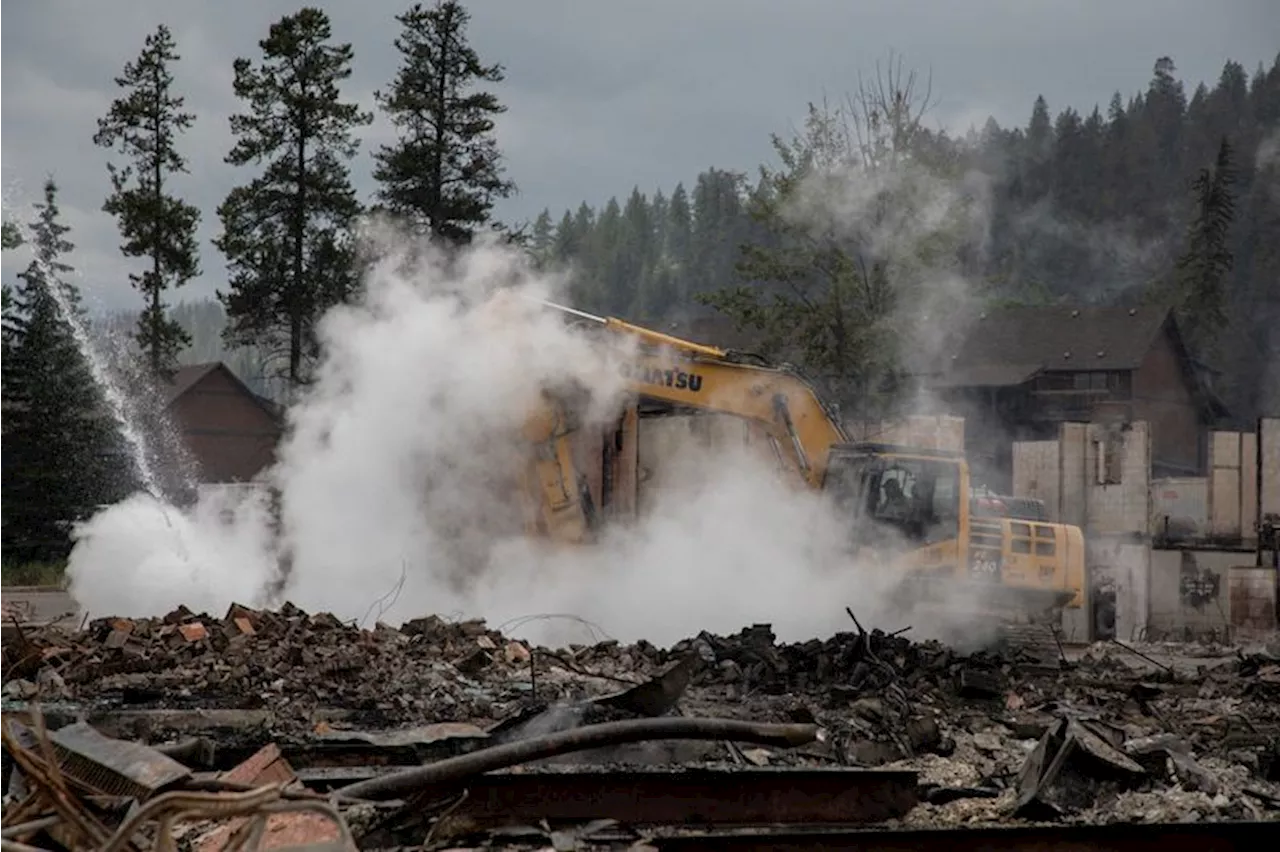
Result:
[
  {"x": 1222, "y": 507},
  {"x": 1233, "y": 485},
  {"x": 1038, "y": 464},
  {"x": 1209, "y": 594},
  {"x": 1093, "y": 476},
  {"x": 1097, "y": 477},
  {"x": 1270, "y": 448},
  {"x": 1180, "y": 509},
  {"x": 1118, "y": 571},
  {"x": 1179, "y": 593},
  {"x": 1068, "y": 475}
]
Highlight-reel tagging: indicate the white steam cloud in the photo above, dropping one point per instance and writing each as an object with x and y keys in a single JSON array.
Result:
[
  {"x": 1269, "y": 152},
  {"x": 396, "y": 492}
]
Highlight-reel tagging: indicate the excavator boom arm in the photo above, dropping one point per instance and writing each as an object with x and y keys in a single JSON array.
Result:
[
  {"x": 687, "y": 375},
  {"x": 708, "y": 378}
]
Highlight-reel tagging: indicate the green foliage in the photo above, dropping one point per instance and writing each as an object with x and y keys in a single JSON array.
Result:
[
  {"x": 287, "y": 233},
  {"x": 444, "y": 172},
  {"x": 858, "y": 223},
  {"x": 61, "y": 453},
  {"x": 1203, "y": 267},
  {"x": 144, "y": 125},
  {"x": 814, "y": 294},
  {"x": 47, "y": 574},
  {"x": 1084, "y": 207},
  {"x": 11, "y": 235}
]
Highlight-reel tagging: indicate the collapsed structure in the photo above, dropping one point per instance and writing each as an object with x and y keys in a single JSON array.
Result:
[
  {"x": 200, "y": 732},
  {"x": 453, "y": 733}
]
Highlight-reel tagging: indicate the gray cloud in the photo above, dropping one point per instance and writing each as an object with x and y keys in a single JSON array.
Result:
[{"x": 602, "y": 96}]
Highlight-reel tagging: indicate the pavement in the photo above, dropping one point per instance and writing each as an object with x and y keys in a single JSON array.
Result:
[{"x": 38, "y": 604}]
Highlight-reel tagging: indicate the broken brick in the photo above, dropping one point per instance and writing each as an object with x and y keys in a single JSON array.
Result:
[
  {"x": 266, "y": 766},
  {"x": 193, "y": 631},
  {"x": 516, "y": 652}
]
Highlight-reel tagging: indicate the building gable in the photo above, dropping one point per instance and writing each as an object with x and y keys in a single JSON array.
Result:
[{"x": 230, "y": 430}]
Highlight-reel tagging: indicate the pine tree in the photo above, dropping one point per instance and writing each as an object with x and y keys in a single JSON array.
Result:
[
  {"x": 61, "y": 456},
  {"x": 287, "y": 234},
  {"x": 542, "y": 240},
  {"x": 445, "y": 171},
  {"x": 1206, "y": 261},
  {"x": 144, "y": 125},
  {"x": 567, "y": 242},
  {"x": 11, "y": 236},
  {"x": 679, "y": 240}
]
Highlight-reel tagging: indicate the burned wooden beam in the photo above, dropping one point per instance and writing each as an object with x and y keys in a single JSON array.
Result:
[
  {"x": 687, "y": 796},
  {"x": 1154, "y": 837}
]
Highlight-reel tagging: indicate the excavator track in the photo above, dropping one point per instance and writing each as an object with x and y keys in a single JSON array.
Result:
[
  {"x": 1025, "y": 625},
  {"x": 1034, "y": 643}
]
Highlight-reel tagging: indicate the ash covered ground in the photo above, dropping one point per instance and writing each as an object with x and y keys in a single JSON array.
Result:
[{"x": 1160, "y": 733}]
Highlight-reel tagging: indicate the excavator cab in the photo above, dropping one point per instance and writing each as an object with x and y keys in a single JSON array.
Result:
[{"x": 896, "y": 498}]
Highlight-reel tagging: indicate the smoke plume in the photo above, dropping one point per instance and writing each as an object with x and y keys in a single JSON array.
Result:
[
  {"x": 395, "y": 485},
  {"x": 1268, "y": 156}
]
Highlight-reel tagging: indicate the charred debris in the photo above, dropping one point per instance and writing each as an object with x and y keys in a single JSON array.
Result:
[{"x": 276, "y": 728}]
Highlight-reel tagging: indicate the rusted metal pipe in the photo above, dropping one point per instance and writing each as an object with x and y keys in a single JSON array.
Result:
[{"x": 579, "y": 739}]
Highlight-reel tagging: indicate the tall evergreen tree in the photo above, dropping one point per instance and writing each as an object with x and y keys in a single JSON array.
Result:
[
  {"x": 287, "y": 234},
  {"x": 11, "y": 236},
  {"x": 60, "y": 453},
  {"x": 445, "y": 171},
  {"x": 1203, "y": 267},
  {"x": 542, "y": 240},
  {"x": 144, "y": 125},
  {"x": 566, "y": 242},
  {"x": 679, "y": 239}
]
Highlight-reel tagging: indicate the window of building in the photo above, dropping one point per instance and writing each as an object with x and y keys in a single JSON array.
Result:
[
  {"x": 1116, "y": 384},
  {"x": 1111, "y": 384},
  {"x": 1055, "y": 381},
  {"x": 1109, "y": 453}
]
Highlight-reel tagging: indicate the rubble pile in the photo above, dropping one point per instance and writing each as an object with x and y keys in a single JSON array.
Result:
[
  {"x": 289, "y": 661},
  {"x": 1113, "y": 735}
]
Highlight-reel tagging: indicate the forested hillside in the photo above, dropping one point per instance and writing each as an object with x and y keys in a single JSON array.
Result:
[
  {"x": 204, "y": 321},
  {"x": 1169, "y": 194},
  {"x": 1093, "y": 204},
  {"x": 869, "y": 238}
]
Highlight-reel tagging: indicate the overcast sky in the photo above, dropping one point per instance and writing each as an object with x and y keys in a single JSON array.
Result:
[{"x": 603, "y": 95}]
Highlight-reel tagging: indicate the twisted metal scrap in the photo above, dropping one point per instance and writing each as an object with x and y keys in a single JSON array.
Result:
[
  {"x": 49, "y": 791},
  {"x": 258, "y": 805}
]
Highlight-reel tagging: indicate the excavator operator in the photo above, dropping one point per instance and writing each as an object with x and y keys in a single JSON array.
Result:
[{"x": 895, "y": 502}]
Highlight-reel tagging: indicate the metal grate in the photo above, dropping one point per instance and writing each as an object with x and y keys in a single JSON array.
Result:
[{"x": 113, "y": 767}]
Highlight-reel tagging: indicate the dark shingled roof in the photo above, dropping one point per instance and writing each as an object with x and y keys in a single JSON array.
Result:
[
  {"x": 987, "y": 376},
  {"x": 1007, "y": 346},
  {"x": 185, "y": 378}
]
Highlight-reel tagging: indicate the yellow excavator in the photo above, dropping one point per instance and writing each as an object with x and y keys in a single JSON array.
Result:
[{"x": 913, "y": 510}]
